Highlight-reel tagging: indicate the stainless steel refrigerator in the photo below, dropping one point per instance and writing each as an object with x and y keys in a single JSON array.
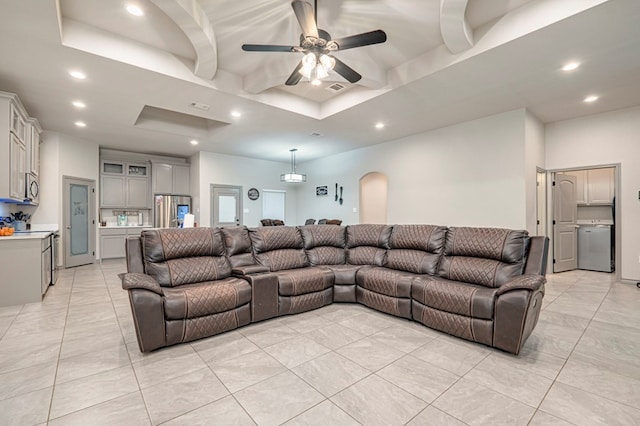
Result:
[{"x": 169, "y": 210}]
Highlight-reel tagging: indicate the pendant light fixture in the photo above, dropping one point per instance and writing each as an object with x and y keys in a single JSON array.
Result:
[{"x": 293, "y": 177}]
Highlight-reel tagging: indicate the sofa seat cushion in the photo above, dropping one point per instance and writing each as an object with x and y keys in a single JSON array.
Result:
[
  {"x": 294, "y": 282},
  {"x": 201, "y": 299},
  {"x": 389, "y": 282},
  {"x": 456, "y": 297}
]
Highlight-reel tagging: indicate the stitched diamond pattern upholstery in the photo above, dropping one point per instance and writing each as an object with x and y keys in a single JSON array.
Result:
[
  {"x": 487, "y": 256},
  {"x": 385, "y": 281},
  {"x": 416, "y": 261},
  {"x": 325, "y": 255},
  {"x": 491, "y": 243},
  {"x": 197, "y": 269},
  {"x": 366, "y": 255},
  {"x": 323, "y": 235},
  {"x": 429, "y": 238},
  {"x": 295, "y": 282},
  {"x": 455, "y": 297},
  {"x": 278, "y": 260},
  {"x": 206, "y": 298},
  {"x": 379, "y": 302},
  {"x": 305, "y": 302},
  {"x": 170, "y": 243},
  {"x": 268, "y": 238},
  {"x": 183, "y": 256},
  {"x": 368, "y": 235},
  {"x": 449, "y": 323},
  {"x": 197, "y": 328}
]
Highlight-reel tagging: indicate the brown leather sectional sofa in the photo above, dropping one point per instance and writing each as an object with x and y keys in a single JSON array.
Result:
[{"x": 482, "y": 284}]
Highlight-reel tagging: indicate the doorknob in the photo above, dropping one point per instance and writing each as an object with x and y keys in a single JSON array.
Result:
[{"x": 68, "y": 226}]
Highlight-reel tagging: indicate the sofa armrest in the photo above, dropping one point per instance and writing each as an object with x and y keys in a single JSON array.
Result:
[
  {"x": 141, "y": 281},
  {"x": 242, "y": 271},
  {"x": 523, "y": 282}
]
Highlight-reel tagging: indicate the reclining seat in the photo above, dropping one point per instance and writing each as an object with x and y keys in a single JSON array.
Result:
[
  {"x": 413, "y": 250},
  {"x": 186, "y": 291},
  {"x": 300, "y": 287},
  {"x": 325, "y": 246},
  {"x": 479, "y": 267}
]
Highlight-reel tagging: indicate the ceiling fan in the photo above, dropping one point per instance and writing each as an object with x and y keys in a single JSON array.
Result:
[{"x": 317, "y": 47}]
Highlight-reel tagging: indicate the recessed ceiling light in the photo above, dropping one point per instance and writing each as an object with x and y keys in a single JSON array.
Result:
[
  {"x": 77, "y": 74},
  {"x": 591, "y": 98},
  {"x": 134, "y": 9},
  {"x": 570, "y": 66},
  {"x": 80, "y": 124},
  {"x": 79, "y": 104},
  {"x": 194, "y": 142},
  {"x": 236, "y": 114},
  {"x": 379, "y": 125}
]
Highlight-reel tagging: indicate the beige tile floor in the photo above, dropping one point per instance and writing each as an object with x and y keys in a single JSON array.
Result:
[{"x": 73, "y": 360}]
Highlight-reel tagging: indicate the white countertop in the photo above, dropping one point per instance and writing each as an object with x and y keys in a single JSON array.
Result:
[
  {"x": 595, "y": 222},
  {"x": 27, "y": 236},
  {"x": 125, "y": 227}
]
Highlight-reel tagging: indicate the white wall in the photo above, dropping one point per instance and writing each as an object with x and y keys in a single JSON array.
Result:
[
  {"x": 63, "y": 155},
  {"x": 469, "y": 174},
  {"x": 222, "y": 169},
  {"x": 534, "y": 158},
  {"x": 608, "y": 138}
]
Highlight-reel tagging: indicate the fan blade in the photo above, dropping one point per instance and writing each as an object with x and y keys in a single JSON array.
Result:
[
  {"x": 267, "y": 48},
  {"x": 295, "y": 76},
  {"x": 304, "y": 13},
  {"x": 364, "y": 39},
  {"x": 346, "y": 71}
]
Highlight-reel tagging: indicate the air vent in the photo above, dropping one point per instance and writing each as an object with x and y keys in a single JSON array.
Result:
[
  {"x": 316, "y": 134},
  {"x": 200, "y": 105},
  {"x": 336, "y": 87}
]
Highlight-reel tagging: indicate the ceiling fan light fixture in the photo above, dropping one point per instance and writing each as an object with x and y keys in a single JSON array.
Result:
[
  {"x": 327, "y": 62},
  {"x": 292, "y": 176}
]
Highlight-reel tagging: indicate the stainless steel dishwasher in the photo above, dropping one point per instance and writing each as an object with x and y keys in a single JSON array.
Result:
[{"x": 594, "y": 248}]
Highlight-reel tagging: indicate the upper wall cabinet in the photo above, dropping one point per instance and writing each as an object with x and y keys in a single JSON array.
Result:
[
  {"x": 124, "y": 185},
  {"x": 594, "y": 186},
  {"x": 600, "y": 186},
  {"x": 14, "y": 141},
  {"x": 171, "y": 179}
]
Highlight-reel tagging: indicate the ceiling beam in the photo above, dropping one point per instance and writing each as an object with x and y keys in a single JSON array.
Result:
[
  {"x": 455, "y": 30},
  {"x": 195, "y": 24}
]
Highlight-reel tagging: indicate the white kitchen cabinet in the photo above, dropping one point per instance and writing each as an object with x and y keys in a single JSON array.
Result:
[
  {"x": 18, "y": 168},
  {"x": 112, "y": 241},
  {"x": 171, "y": 179},
  {"x": 600, "y": 185},
  {"x": 13, "y": 148},
  {"x": 112, "y": 191},
  {"x": 124, "y": 185},
  {"x": 33, "y": 147}
]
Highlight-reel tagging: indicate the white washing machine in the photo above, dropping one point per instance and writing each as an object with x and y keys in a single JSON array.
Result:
[{"x": 594, "y": 248}]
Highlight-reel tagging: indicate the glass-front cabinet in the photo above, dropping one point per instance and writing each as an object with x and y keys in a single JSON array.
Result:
[{"x": 125, "y": 184}]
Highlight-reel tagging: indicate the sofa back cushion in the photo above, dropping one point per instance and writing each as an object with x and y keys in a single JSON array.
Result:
[
  {"x": 484, "y": 256},
  {"x": 367, "y": 244},
  {"x": 324, "y": 244},
  {"x": 175, "y": 256},
  {"x": 238, "y": 245},
  {"x": 278, "y": 248},
  {"x": 416, "y": 248}
]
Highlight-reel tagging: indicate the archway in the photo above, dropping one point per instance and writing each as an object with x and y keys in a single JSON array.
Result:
[{"x": 373, "y": 198}]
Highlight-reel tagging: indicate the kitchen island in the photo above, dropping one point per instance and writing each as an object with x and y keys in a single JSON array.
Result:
[{"x": 25, "y": 267}]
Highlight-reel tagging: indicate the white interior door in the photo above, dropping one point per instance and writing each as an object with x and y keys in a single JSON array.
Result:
[
  {"x": 565, "y": 226},
  {"x": 226, "y": 205},
  {"x": 79, "y": 222}
]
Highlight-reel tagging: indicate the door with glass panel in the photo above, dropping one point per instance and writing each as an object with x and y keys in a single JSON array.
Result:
[
  {"x": 226, "y": 205},
  {"x": 79, "y": 227}
]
